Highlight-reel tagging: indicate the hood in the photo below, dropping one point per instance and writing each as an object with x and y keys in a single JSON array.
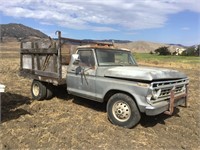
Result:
[{"x": 143, "y": 73}]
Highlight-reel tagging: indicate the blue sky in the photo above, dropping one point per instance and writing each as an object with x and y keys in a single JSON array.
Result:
[{"x": 164, "y": 21}]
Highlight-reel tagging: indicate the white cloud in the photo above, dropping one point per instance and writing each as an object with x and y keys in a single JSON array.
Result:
[
  {"x": 104, "y": 15},
  {"x": 185, "y": 28}
]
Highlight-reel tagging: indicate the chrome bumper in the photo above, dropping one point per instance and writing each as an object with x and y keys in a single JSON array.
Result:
[{"x": 167, "y": 107}]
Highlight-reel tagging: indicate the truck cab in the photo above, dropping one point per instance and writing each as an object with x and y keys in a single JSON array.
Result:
[{"x": 89, "y": 64}]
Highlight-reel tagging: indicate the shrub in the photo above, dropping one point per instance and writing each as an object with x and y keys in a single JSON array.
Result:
[
  {"x": 162, "y": 51},
  {"x": 150, "y": 52}
]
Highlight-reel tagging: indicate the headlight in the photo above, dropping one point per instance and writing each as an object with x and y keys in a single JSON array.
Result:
[
  {"x": 183, "y": 89},
  {"x": 156, "y": 93}
]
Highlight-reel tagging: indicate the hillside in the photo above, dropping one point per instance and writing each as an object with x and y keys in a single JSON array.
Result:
[
  {"x": 146, "y": 47},
  {"x": 140, "y": 46},
  {"x": 16, "y": 32}
]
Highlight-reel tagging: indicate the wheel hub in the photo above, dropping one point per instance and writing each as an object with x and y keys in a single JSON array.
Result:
[
  {"x": 36, "y": 89},
  {"x": 121, "y": 111}
]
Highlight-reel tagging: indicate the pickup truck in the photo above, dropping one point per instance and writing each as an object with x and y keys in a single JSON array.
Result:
[{"x": 104, "y": 73}]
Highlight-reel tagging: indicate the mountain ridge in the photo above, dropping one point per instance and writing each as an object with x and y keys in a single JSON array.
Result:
[
  {"x": 13, "y": 31},
  {"x": 18, "y": 32}
]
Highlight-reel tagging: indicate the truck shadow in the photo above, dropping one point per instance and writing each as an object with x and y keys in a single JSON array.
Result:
[
  {"x": 146, "y": 121},
  {"x": 9, "y": 106},
  {"x": 90, "y": 104},
  {"x": 61, "y": 93},
  {"x": 150, "y": 121}
]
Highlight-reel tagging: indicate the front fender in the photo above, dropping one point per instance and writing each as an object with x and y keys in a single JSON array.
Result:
[{"x": 137, "y": 92}]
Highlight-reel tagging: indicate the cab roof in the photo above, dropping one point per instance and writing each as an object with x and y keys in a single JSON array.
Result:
[{"x": 104, "y": 46}]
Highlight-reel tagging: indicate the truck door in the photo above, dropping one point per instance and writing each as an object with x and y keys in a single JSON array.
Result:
[{"x": 81, "y": 78}]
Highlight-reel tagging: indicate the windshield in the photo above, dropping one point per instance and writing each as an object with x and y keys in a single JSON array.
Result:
[{"x": 114, "y": 58}]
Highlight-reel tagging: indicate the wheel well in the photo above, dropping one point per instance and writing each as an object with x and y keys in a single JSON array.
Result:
[{"x": 112, "y": 92}]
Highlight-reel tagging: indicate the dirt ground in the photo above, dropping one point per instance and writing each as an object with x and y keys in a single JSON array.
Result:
[{"x": 65, "y": 122}]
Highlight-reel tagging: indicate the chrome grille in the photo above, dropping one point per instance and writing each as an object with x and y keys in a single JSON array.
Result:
[
  {"x": 166, "y": 86},
  {"x": 162, "y": 84}
]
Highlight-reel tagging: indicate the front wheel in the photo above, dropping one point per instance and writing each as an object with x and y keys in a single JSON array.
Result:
[{"x": 122, "y": 110}]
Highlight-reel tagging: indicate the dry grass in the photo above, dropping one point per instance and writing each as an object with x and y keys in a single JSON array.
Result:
[
  {"x": 9, "y": 50},
  {"x": 9, "y": 45}
]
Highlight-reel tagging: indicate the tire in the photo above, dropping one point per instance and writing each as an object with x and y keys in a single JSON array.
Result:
[
  {"x": 38, "y": 90},
  {"x": 122, "y": 111},
  {"x": 50, "y": 92}
]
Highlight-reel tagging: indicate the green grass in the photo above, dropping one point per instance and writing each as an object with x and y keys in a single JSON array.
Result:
[{"x": 145, "y": 57}]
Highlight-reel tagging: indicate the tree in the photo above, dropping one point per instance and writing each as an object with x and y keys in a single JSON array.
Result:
[
  {"x": 162, "y": 51},
  {"x": 192, "y": 51}
]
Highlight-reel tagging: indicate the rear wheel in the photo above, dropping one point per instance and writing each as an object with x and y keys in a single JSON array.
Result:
[
  {"x": 122, "y": 110},
  {"x": 38, "y": 90}
]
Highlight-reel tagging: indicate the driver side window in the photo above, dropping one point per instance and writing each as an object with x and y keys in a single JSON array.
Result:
[{"x": 86, "y": 58}]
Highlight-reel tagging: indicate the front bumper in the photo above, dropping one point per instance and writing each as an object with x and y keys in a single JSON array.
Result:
[{"x": 167, "y": 107}]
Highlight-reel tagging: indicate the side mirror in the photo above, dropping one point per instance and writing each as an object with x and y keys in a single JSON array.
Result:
[{"x": 75, "y": 59}]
